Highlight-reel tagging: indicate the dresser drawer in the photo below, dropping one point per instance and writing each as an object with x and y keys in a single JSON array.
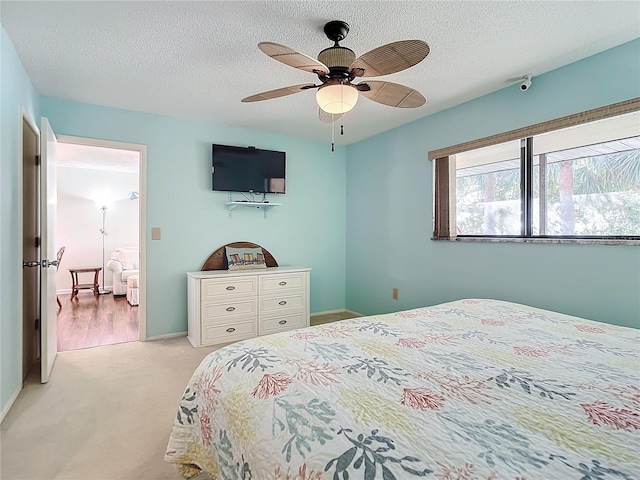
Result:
[
  {"x": 282, "y": 323},
  {"x": 281, "y": 304},
  {"x": 213, "y": 334},
  {"x": 212, "y": 289},
  {"x": 278, "y": 283},
  {"x": 229, "y": 309}
]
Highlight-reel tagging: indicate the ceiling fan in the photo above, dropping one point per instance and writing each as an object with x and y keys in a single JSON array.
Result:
[{"x": 337, "y": 67}]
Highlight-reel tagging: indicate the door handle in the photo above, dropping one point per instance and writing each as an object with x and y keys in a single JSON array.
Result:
[{"x": 44, "y": 263}]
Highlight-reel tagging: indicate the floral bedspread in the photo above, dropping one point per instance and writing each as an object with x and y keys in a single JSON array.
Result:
[{"x": 467, "y": 390}]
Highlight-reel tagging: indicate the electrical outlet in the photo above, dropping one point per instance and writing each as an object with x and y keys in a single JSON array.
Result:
[
  {"x": 155, "y": 233},
  {"x": 395, "y": 293}
]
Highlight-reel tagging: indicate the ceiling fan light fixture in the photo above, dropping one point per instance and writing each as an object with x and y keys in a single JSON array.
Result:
[
  {"x": 337, "y": 66},
  {"x": 337, "y": 98}
]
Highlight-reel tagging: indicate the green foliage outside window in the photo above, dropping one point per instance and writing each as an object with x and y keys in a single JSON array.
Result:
[{"x": 597, "y": 196}]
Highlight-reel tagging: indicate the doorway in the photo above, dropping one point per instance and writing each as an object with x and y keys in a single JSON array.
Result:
[
  {"x": 101, "y": 202},
  {"x": 30, "y": 246}
]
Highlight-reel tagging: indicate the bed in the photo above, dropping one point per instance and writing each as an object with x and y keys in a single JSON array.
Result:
[{"x": 472, "y": 389}]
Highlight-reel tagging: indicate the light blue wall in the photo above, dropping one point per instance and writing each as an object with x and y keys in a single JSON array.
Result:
[
  {"x": 390, "y": 205},
  {"x": 15, "y": 90},
  {"x": 309, "y": 230}
]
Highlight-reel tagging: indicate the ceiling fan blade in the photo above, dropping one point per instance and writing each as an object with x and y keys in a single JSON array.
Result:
[
  {"x": 391, "y": 58},
  {"x": 394, "y": 95},
  {"x": 280, "y": 92},
  {"x": 328, "y": 117},
  {"x": 294, "y": 59}
]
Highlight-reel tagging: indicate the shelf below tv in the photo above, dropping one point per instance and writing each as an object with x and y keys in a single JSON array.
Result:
[{"x": 266, "y": 206}]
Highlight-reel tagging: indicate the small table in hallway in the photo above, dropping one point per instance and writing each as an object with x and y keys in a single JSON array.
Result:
[{"x": 76, "y": 285}]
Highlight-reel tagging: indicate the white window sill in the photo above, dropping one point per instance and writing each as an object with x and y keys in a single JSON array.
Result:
[{"x": 579, "y": 241}]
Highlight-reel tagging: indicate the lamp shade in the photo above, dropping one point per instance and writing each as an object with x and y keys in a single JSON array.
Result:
[{"x": 337, "y": 99}]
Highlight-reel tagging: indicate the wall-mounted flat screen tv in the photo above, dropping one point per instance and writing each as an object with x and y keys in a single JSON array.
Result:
[{"x": 240, "y": 169}]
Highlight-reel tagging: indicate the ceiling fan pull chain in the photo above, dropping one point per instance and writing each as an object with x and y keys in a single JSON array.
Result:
[
  {"x": 342, "y": 115},
  {"x": 333, "y": 135}
]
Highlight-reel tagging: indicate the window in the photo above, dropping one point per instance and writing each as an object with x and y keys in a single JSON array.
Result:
[
  {"x": 577, "y": 182},
  {"x": 487, "y": 191},
  {"x": 588, "y": 179}
]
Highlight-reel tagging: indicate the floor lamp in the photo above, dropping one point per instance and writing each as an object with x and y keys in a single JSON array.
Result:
[{"x": 103, "y": 232}]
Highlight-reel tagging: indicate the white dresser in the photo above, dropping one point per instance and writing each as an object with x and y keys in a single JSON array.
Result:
[{"x": 226, "y": 306}]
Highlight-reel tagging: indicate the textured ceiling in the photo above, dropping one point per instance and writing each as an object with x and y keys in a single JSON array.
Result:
[{"x": 198, "y": 59}]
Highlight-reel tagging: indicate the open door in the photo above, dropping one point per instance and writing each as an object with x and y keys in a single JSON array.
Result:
[{"x": 48, "y": 299}]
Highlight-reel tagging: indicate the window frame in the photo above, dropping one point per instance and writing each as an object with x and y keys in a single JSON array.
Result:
[{"x": 445, "y": 178}]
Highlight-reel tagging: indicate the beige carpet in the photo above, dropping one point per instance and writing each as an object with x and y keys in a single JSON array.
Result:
[{"x": 106, "y": 414}]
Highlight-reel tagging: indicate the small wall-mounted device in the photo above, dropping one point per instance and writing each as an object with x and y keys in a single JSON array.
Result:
[{"x": 526, "y": 82}]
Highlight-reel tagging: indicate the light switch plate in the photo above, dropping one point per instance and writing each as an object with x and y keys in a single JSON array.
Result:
[{"x": 155, "y": 233}]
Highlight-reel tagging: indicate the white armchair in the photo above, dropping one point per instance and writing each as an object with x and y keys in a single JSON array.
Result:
[{"x": 124, "y": 263}]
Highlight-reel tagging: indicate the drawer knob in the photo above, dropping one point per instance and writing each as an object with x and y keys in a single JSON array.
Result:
[
  {"x": 282, "y": 283},
  {"x": 230, "y": 309},
  {"x": 231, "y": 287},
  {"x": 231, "y": 330},
  {"x": 282, "y": 322},
  {"x": 282, "y": 303}
]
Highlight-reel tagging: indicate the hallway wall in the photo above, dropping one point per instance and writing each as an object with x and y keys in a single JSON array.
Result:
[{"x": 16, "y": 92}]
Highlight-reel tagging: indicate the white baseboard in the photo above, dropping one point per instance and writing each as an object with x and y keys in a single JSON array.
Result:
[
  {"x": 326, "y": 312},
  {"x": 167, "y": 335},
  {"x": 10, "y": 403},
  {"x": 329, "y": 312}
]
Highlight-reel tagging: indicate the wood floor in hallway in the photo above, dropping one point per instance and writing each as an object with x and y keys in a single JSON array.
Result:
[{"x": 90, "y": 322}]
